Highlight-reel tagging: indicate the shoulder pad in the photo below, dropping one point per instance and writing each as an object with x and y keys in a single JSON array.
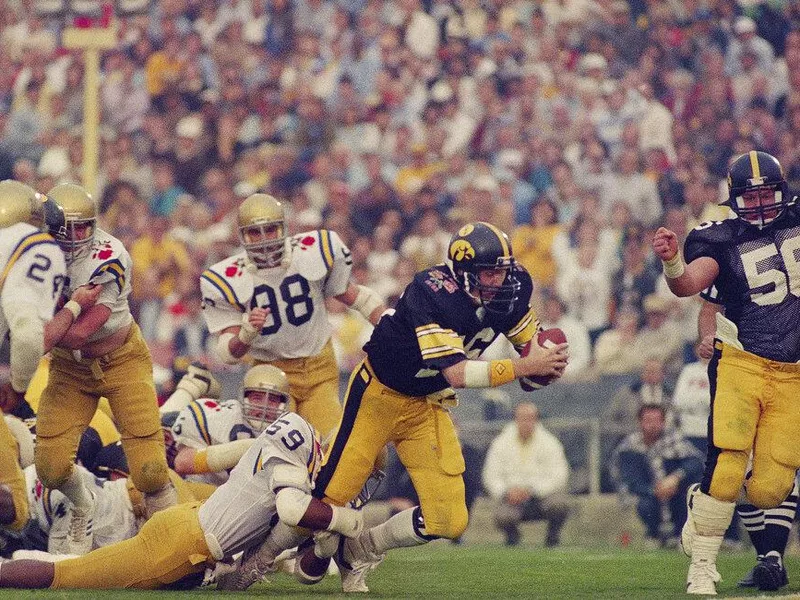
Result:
[
  {"x": 714, "y": 232},
  {"x": 312, "y": 253},
  {"x": 231, "y": 280}
]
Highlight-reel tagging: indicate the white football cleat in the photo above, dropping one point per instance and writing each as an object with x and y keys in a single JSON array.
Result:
[
  {"x": 254, "y": 569},
  {"x": 702, "y": 578},
  {"x": 354, "y": 562},
  {"x": 81, "y": 535}
]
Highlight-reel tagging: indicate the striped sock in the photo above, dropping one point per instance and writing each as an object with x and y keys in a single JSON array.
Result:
[
  {"x": 754, "y": 522},
  {"x": 778, "y": 523}
]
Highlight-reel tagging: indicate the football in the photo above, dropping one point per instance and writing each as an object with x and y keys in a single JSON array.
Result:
[{"x": 547, "y": 339}]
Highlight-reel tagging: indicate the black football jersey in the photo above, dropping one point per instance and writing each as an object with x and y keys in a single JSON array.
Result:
[
  {"x": 436, "y": 324},
  {"x": 758, "y": 281}
]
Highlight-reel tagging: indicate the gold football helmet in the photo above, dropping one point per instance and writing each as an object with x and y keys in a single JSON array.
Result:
[
  {"x": 20, "y": 203},
  {"x": 80, "y": 214},
  {"x": 262, "y": 230},
  {"x": 265, "y": 396}
]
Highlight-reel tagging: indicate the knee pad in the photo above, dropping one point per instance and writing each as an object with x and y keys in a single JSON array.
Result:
[
  {"x": 52, "y": 468},
  {"x": 147, "y": 461},
  {"x": 727, "y": 476},
  {"x": 447, "y": 524},
  {"x": 767, "y": 493}
]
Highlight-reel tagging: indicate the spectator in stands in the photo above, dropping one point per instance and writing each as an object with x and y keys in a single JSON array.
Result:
[
  {"x": 660, "y": 334},
  {"x": 157, "y": 251},
  {"x": 619, "y": 350},
  {"x": 692, "y": 402},
  {"x": 583, "y": 280},
  {"x": 637, "y": 277},
  {"x": 526, "y": 474},
  {"x": 657, "y": 465},
  {"x": 533, "y": 242},
  {"x": 629, "y": 184},
  {"x": 648, "y": 388}
]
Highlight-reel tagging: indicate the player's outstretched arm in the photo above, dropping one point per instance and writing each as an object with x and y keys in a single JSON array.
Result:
[
  {"x": 216, "y": 458},
  {"x": 548, "y": 362},
  {"x": 299, "y": 509},
  {"x": 363, "y": 300},
  {"x": 83, "y": 298},
  {"x": 682, "y": 279}
]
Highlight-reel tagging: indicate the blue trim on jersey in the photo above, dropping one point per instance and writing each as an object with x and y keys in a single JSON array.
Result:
[
  {"x": 325, "y": 247},
  {"x": 229, "y": 294},
  {"x": 115, "y": 267},
  {"x": 195, "y": 408}
]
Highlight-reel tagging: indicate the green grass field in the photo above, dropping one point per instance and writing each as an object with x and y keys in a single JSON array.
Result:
[{"x": 441, "y": 570}]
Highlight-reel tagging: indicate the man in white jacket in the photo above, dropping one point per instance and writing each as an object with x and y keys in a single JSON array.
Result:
[{"x": 526, "y": 472}]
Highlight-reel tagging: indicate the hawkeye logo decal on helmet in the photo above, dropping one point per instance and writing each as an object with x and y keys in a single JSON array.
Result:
[{"x": 461, "y": 249}]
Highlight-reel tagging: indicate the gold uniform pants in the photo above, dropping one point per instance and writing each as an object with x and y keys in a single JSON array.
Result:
[
  {"x": 426, "y": 443},
  {"x": 11, "y": 475},
  {"x": 169, "y": 546},
  {"x": 755, "y": 406},
  {"x": 314, "y": 387},
  {"x": 68, "y": 403}
]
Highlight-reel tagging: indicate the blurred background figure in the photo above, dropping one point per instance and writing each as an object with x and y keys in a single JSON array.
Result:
[
  {"x": 526, "y": 474},
  {"x": 656, "y": 466}
]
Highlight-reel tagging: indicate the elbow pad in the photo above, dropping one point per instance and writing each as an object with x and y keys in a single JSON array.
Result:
[
  {"x": 27, "y": 347},
  {"x": 291, "y": 505},
  {"x": 223, "y": 351}
]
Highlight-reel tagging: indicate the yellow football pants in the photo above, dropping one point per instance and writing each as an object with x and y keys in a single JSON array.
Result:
[
  {"x": 169, "y": 546},
  {"x": 754, "y": 407},
  {"x": 314, "y": 387},
  {"x": 68, "y": 403},
  {"x": 426, "y": 443},
  {"x": 11, "y": 475}
]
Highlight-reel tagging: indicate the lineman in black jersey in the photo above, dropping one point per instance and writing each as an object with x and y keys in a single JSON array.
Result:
[
  {"x": 753, "y": 262},
  {"x": 401, "y": 392}
]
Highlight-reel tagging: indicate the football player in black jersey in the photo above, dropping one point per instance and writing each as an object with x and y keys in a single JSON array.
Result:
[
  {"x": 447, "y": 316},
  {"x": 753, "y": 261}
]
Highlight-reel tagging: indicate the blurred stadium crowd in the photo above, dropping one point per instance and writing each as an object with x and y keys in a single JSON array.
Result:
[{"x": 575, "y": 125}]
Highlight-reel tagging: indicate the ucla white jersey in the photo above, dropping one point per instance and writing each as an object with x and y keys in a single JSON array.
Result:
[
  {"x": 114, "y": 520},
  {"x": 32, "y": 274},
  {"x": 297, "y": 327},
  {"x": 242, "y": 511},
  {"x": 106, "y": 263},
  {"x": 206, "y": 422}
]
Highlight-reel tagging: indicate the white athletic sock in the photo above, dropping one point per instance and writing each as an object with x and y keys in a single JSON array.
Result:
[
  {"x": 77, "y": 492},
  {"x": 397, "y": 532}
]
